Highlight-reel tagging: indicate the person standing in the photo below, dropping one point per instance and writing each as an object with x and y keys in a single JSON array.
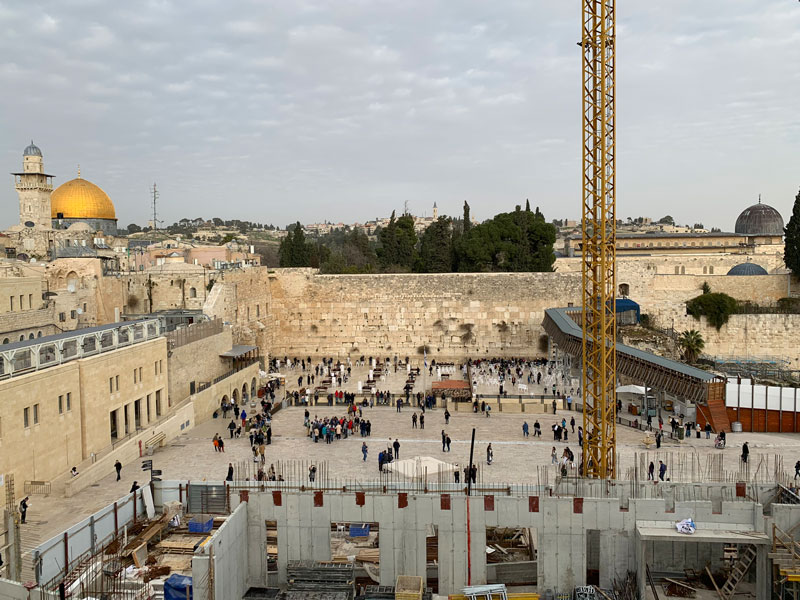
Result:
[
  {"x": 364, "y": 449},
  {"x": 396, "y": 447},
  {"x": 537, "y": 429},
  {"x": 118, "y": 467},
  {"x": 553, "y": 457},
  {"x": 399, "y": 403},
  {"x": 457, "y": 474},
  {"x": 422, "y": 421},
  {"x": 444, "y": 438},
  {"x": 525, "y": 429},
  {"x": 745, "y": 453},
  {"x": 447, "y": 441},
  {"x": 230, "y": 472},
  {"x": 662, "y": 470},
  {"x": 23, "y": 509},
  {"x": 489, "y": 454},
  {"x": 572, "y": 423},
  {"x": 232, "y": 427},
  {"x": 797, "y": 469},
  {"x": 659, "y": 435},
  {"x": 216, "y": 442},
  {"x": 414, "y": 421},
  {"x": 243, "y": 416},
  {"x": 446, "y": 417},
  {"x": 651, "y": 471},
  {"x": 312, "y": 473}
]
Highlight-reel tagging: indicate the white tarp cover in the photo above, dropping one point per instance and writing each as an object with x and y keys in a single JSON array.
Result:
[
  {"x": 631, "y": 389},
  {"x": 415, "y": 467}
]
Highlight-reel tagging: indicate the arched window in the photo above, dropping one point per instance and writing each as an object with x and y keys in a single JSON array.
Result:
[
  {"x": 22, "y": 338},
  {"x": 6, "y": 340},
  {"x": 192, "y": 293},
  {"x": 38, "y": 334},
  {"x": 683, "y": 270},
  {"x": 31, "y": 336},
  {"x": 624, "y": 290}
]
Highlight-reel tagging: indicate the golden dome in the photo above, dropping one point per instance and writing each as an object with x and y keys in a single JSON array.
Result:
[{"x": 81, "y": 199}]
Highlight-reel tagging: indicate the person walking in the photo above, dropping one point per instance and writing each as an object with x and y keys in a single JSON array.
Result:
[
  {"x": 572, "y": 423},
  {"x": 220, "y": 443},
  {"x": 553, "y": 457},
  {"x": 396, "y": 447},
  {"x": 230, "y": 472},
  {"x": 651, "y": 471},
  {"x": 456, "y": 474},
  {"x": 537, "y": 429},
  {"x": 797, "y": 469},
  {"x": 23, "y": 509},
  {"x": 446, "y": 417},
  {"x": 659, "y": 435},
  {"x": 232, "y": 427},
  {"x": 525, "y": 429},
  {"x": 422, "y": 421},
  {"x": 745, "y": 453},
  {"x": 662, "y": 470},
  {"x": 554, "y": 404},
  {"x": 399, "y": 403},
  {"x": 489, "y": 454},
  {"x": 216, "y": 442},
  {"x": 708, "y": 431},
  {"x": 364, "y": 449},
  {"x": 118, "y": 467}
]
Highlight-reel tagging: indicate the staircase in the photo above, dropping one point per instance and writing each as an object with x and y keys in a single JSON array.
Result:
[
  {"x": 747, "y": 555},
  {"x": 715, "y": 413},
  {"x": 785, "y": 554}
]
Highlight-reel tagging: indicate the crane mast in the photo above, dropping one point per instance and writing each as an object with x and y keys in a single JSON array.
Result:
[{"x": 598, "y": 45}]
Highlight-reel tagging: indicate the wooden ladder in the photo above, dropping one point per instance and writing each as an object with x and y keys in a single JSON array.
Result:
[{"x": 746, "y": 558}]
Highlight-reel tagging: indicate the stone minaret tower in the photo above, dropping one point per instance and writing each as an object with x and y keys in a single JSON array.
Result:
[
  {"x": 34, "y": 187},
  {"x": 435, "y": 212}
]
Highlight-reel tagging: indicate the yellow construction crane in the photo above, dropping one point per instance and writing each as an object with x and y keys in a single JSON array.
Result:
[{"x": 599, "y": 240}]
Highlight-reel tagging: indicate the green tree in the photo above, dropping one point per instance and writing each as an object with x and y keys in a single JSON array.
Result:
[
  {"x": 387, "y": 238},
  {"x": 791, "y": 250},
  {"x": 467, "y": 225},
  {"x": 294, "y": 251},
  {"x": 133, "y": 228},
  {"x": 398, "y": 244},
  {"x": 667, "y": 220},
  {"x": 692, "y": 344},
  {"x": 716, "y": 307},
  {"x": 436, "y": 247},
  {"x": 519, "y": 241}
]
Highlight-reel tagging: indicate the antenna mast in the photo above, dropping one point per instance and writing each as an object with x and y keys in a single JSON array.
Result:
[{"x": 154, "y": 192}]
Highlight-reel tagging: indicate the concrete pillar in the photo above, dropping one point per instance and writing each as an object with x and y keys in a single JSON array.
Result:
[{"x": 763, "y": 573}]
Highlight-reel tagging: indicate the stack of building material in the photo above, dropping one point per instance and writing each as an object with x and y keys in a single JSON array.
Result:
[
  {"x": 318, "y": 581},
  {"x": 387, "y": 592}
]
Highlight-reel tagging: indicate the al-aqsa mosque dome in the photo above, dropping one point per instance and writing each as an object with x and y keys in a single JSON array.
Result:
[
  {"x": 81, "y": 201},
  {"x": 759, "y": 219}
]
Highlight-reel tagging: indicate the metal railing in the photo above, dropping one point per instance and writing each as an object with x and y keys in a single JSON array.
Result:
[
  {"x": 41, "y": 488},
  {"x": 193, "y": 333}
]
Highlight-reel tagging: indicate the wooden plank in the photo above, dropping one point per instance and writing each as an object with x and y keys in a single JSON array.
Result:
[{"x": 716, "y": 587}]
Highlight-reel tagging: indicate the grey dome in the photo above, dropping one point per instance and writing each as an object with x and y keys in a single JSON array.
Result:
[
  {"x": 759, "y": 219},
  {"x": 32, "y": 150},
  {"x": 748, "y": 269}
]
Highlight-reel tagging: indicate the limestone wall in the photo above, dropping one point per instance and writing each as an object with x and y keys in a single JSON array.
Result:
[
  {"x": 454, "y": 314},
  {"x": 197, "y": 362}
]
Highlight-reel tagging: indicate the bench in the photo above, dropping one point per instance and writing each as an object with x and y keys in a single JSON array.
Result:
[{"x": 156, "y": 441}]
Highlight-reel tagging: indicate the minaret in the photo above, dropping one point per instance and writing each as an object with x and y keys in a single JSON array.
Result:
[
  {"x": 34, "y": 187},
  {"x": 435, "y": 212}
]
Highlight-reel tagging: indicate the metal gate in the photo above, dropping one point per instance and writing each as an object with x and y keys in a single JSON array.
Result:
[{"x": 210, "y": 499}]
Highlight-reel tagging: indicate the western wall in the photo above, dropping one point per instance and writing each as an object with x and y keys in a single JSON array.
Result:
[{"x": 300, "y": 312}]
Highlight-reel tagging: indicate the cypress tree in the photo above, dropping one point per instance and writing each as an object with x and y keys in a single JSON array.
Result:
[{"x": 791, "y": 250}]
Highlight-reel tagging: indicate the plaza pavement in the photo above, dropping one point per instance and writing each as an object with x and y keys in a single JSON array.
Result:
[{"x": 192, "y": 457}]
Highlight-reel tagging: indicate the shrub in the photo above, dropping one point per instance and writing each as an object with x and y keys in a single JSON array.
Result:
[{"x": 716, "y": 307}]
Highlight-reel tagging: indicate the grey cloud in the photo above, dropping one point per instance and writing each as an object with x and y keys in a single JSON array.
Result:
[{"x": 342, "y": 111}]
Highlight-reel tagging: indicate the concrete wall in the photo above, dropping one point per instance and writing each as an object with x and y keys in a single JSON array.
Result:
[
  {"x": 13, "y": 590},
  {"x": 304, "y": 519},
  {"x": 228, "y": 550}
]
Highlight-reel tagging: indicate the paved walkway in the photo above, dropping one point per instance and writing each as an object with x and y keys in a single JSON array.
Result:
[{"x": 192, "y": 456}]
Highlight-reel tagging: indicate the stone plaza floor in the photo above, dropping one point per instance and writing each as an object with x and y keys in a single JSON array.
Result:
[{"x": 192, "y": 456}]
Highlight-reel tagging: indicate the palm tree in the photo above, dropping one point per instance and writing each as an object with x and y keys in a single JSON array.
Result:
[{"x": 692, "y": 343}]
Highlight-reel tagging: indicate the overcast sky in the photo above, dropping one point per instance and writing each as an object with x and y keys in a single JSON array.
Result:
[{"x": 284, "y": 110}]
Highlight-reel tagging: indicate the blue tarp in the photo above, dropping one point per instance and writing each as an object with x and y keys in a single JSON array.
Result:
[
  {"x": 178, "y": 587},
  {"x": 625, "y": 304}
]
